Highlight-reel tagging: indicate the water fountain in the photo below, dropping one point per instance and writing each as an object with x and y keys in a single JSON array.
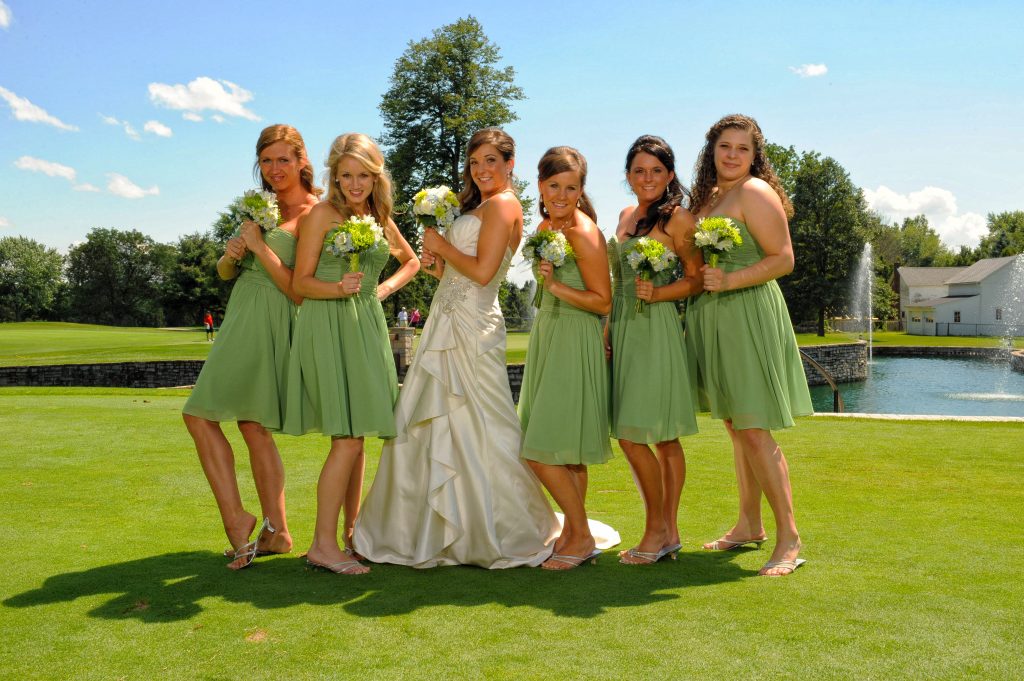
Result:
[
  {"x": 1013, "y": 305},
  {"x": 861, "y": 303}
]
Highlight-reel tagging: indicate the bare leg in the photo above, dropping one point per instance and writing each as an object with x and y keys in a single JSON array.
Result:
[
  {"x": 218, "y": 462},
  {"x": 331, "y": 490},
  {"x": 268, "y": 473},
  {"x": 749, "y": 524},
  {"x": 647, "y": 474},
  {"x": 563, "y": 485},
  {"x": 354, "y": 495},
  {"x": 673, "y": 477},
  {"x": 766, "y": 461}
]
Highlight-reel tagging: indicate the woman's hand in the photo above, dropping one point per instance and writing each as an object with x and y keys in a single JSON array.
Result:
[
  {"x": 235, "y": 248},
  {"x": 383, "y": 291},
  {"x": 644, "y": 290},
  {"x": 432, "y": 241},
  {"x": 607, "y": 344},
  {"x": 547, "y": 270},
  {"x": 351, "y": 283},
  {"x": 431, "y": 264},
  {"x": 252, "y": 235},
  {"x": 715, "y": 279}
]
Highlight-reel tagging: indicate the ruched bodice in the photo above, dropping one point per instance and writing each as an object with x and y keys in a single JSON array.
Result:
[
  {"x": 623, "y": 276},
  {"x": 744, "y": 255},
  {"x": 331, "y": 267},
  {"x": 570, "y": 275},
  {"x": 282, "y": 243}
]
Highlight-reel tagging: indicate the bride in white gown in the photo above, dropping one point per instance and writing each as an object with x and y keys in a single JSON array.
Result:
[{"x": 451, "y": 488}]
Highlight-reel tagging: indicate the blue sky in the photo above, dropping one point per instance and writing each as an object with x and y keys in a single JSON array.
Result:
[{"x": 922, "y": 102}]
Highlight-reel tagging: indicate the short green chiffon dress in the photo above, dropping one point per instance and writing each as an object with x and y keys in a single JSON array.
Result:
[
  {"x": 563, "y": 405},
  {"x": 743, "y": 343},
  {"x": 654, "y": 395},
  {"x": 341, "y": 374},
  {"x": 244, "y": 376}
]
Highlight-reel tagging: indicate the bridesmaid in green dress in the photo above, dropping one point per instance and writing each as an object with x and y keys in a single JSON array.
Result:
[
  {"x": 563, "y": 406},
  {"x": 739, "y": 331},
  {"x": 243, "y": 379},
  {"x": 653, "y": 397},
  {"x": 341, "y": 375}
]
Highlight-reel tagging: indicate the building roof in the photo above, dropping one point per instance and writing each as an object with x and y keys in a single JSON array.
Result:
[
  {"x": 935, "y": 302},
  {"x": 980, "y": 270},
  {"x": 928, "y": 276}
]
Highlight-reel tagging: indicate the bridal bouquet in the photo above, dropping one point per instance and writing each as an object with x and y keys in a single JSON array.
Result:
[
  {"x": 647, "y": 257},
  {"x": 547, "y": 245},
  {"x": 256, "y": 206},
  {"x": 356, "y": 235},
  {"x": 435, "y": 207},
  {"x": 716, "y": 235}
]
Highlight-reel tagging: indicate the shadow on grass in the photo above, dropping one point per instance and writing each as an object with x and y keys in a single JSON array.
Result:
[{"x": 171, "y": 587}]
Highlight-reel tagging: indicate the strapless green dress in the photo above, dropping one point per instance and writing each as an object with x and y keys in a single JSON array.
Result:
[
  {"x": 654, "y": 395},
  {"x": 244, "y": 376},
  {"x": 563, "y": 405},
  {"x": 743, "y": 343},
  {"x": 341, "y": 373}
]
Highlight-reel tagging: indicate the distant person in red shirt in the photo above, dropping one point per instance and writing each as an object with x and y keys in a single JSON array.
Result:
[
  {"x": 208, "y": 323},
  {"x": 414, "y": 318}
]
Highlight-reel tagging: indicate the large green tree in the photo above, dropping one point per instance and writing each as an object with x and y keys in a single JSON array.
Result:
[
  {"x": 920, "y": 245},
  {"x": 116, "y": 277},
  {"x": 443, "y": 88},
  {"x": 192, "y": 285},
  {"x": 30, "y": 279},
  {"x": 1005, "y": 235},
  {"x": 827, "y": 240}
]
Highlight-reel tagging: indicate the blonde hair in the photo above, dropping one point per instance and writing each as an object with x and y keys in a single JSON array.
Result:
[
  {"x": 363, "y": 149},
  {"x": 285, "y": 133}
]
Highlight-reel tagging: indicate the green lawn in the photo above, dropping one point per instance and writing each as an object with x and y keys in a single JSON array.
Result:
[
  {"x": 33, "y": 343},
  {"x": 113, "y": 566}
]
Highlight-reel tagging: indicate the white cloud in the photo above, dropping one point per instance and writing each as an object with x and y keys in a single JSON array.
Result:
[
  {"x": 218, "y": 118},
  {"x": 203, "y": 94},
  {"x": 809, "y": 70},
  {"x": 4, "y": 223},
  {"x": 5, "y": 15},
  {"x": 86, "y": 187},
  {"x": 122, "y": 186},
  {"x": 38, "y": 165},
  {"x": 128, "y": 129},
  {"x": 25, "y": 110},
  {"x": 157, "y": 128},
  {"x": 936, "y": 204},
  {"x": 189, "y": 116}
]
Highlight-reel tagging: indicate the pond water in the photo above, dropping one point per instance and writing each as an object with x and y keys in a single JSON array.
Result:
[{"x": 931, "y": 385}]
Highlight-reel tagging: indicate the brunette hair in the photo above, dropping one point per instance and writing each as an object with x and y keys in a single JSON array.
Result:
[
  {"x": 470, "y": 197},
  {"x": 285, "y": 133},
  {"x": 705, "y": 177},
  {"x": 659, "y": 212},
  {"x": 565, "y": 160}
]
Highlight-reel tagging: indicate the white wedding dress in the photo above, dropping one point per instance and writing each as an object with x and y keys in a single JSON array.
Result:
[{"x": 451, "y": 488}]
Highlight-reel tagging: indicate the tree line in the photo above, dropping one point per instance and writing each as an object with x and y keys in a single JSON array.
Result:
[{"x": 443, "y": 88}]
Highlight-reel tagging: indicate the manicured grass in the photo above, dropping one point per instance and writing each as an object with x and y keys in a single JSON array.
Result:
[
  {"x": 900, "y": 338},
  {"x": 34, "y": 343},
  {"x": 113, "y": 567}
]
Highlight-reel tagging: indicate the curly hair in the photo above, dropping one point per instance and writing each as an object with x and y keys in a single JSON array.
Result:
[
  {"x": 285, "y": 133},
  {"x": 363, "y": 149},
  {"x": 705, "y": 177},
  {"x": 659, "y": 212},
  {"x": 470, "y": 196},
  {"x": 565, "y": 160}
]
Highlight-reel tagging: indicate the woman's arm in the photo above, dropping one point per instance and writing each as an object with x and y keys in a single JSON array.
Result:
[
  {"x": 499, "y": 216},
  {"x": 279, "y": 273},
  {"x": 227, "y": 264},
  {"x": 312, "y": 228},
  {"x": 680, "y": 227},
  {"x": 402, "y": 252},
  {"x": 762, "y": 213},
  {"x": 592, "y": 259}
]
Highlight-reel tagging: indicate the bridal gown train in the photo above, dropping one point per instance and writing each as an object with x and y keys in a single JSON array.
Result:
[{"x": 451, "y": 488}]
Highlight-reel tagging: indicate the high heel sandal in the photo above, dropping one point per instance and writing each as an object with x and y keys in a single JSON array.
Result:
[
  {"x": 723, "y": 544},
  {"x": 342, "y": 567},
  {"x": 572, "y": 561},
  {"x": 790, "y": 565},
  {"x": 250, "y": 551},
  {"x": 649, "y": 558}
]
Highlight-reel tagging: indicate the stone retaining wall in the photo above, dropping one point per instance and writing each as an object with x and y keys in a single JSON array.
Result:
[
  {"x": 845, "y": 361},
  {"x": 938, "y": 351},
  {"x": 1017, "y": 361},
  {"x": 113, "y": 375}
]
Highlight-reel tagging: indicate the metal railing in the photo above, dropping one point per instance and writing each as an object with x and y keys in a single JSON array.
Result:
[{"x": 837, "y": 399}]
